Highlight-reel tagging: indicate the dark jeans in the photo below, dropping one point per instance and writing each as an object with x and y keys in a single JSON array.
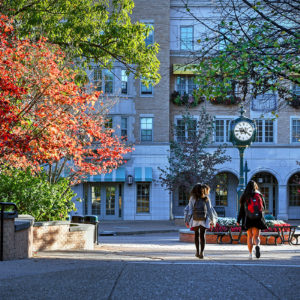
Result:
[{"x": 200, "y": 230}]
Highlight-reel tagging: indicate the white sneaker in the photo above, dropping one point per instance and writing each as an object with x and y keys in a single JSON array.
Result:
[{"x": 250, "y": 256}]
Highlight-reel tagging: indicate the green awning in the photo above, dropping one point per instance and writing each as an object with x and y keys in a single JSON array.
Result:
[
  {"x": 143, "y": 174},
  {"x": 117, "y": 175}
]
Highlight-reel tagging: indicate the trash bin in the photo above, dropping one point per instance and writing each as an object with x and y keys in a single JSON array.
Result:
[
  {"x": 92, "y": 219},
  {"x": 77, "y": 219}
]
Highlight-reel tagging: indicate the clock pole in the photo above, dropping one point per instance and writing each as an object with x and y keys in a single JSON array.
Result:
[
  {"x": 241, "y": 186},
  {"x": 242, "y": 134}
]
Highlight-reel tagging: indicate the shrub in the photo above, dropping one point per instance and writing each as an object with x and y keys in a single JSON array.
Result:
[{"x": 35, "y": 195}]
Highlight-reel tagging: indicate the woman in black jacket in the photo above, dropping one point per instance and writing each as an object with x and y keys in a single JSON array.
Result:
[{"x": 253, "y": 225}]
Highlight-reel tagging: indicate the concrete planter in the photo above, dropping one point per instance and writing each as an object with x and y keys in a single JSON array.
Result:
[{"x": 187, "y": 236}]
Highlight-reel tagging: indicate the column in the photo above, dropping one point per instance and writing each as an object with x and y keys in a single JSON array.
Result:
[{"x": 282, "y": 212}]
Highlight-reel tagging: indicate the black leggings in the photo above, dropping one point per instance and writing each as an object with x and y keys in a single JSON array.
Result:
[{"x": 202, "y": 230}]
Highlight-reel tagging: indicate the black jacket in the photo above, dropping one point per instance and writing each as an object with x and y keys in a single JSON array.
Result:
[{"x": 246, "y": 224}]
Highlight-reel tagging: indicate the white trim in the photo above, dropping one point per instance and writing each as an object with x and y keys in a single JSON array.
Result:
[
  {"x": 146, "y": 95},
  {"x": 222, "y": 117},
  {"x": 150, "y": 199},
  {"x": 152, "y": 129},
  {"x": 275, "y": 127},
  {"x": 291, "y": 119},
  {"x": 179, "y": 117},
  {"x": 193, "y": 37}
]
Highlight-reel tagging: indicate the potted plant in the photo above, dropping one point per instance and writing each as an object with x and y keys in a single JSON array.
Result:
[
  {"x": 229, "y": 100},
  {"x": 186, "y": 99}
]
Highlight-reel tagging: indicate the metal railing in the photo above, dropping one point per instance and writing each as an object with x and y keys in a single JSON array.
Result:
[{"x": 7, "y": 215}]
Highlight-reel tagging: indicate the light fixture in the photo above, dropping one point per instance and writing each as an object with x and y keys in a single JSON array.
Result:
[
  {"x": 260, "y": 180},
  {"x": 129, "y": 179}
]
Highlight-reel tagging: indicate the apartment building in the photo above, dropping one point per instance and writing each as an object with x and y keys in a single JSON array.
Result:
[{"x": 145, "y": 115}]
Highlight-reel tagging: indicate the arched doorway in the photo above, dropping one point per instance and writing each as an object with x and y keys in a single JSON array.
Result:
[
  {"x": 223, "y": 193},
  {"x": 294, "y": 196},
  {"x": 268, "y": 186}
]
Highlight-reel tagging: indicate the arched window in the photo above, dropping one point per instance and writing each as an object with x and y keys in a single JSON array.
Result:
[
  {"x": 294, "y": 190},
  {"x": 222, "y": 189},
  {"x": 183, "y": 196}
]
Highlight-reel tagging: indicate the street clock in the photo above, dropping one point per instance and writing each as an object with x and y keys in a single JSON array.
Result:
[
  {"x": 242, "y": 131},
  {"x": 242, "y": 134}
]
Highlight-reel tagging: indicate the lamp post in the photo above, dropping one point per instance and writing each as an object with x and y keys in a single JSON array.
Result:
[{"x": 242, "y": 134}]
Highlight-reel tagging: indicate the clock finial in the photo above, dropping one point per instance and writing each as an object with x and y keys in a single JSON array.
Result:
[{"x": 242, "y": 111}]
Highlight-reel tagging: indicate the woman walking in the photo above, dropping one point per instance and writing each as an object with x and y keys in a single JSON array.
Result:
[
  {"x": 252, "y": 206},
  {"x": 202, "y": 215}
]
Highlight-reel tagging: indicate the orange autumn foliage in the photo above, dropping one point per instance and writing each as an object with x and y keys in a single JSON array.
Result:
[{"x": 44, "y": 116}]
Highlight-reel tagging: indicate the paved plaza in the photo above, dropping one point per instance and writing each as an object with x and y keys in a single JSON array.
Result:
[{"x": 153, "y": 266}]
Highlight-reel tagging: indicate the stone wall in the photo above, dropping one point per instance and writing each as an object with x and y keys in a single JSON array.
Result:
[
  {"x": 17, "y": 239},
  {"x": 61, "y": 235}
]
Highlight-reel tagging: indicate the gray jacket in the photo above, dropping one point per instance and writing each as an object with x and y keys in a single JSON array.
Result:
[{"x": 211, "y": 215}]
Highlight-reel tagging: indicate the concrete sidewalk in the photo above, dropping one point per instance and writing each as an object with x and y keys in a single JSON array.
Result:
[
  {"x": 118, "y": 227},
  {"x": 153, "y": 266}
]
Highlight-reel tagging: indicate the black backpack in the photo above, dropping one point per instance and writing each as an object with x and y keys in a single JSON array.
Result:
[{"x": 200, "y": 210}]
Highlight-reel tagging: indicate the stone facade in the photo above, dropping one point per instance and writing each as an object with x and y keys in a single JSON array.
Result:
[{"x": 273, "y": 163}]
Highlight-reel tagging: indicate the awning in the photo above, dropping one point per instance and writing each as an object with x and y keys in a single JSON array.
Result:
[
  {"x": 143, "y": 174},
  {"x": 184, "y": 69},
  {"x": 117, "y": 175}
]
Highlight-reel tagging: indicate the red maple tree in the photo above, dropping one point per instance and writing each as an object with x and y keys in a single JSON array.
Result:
[{"x": 45, "y": 118}]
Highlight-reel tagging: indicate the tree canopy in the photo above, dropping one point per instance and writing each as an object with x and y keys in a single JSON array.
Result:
[
  {"x": 45, "y": 118},
  {"x": 88, "y": 31},
  {"x": 250, "y": 48},
  {"x": 190, "y": 161}
]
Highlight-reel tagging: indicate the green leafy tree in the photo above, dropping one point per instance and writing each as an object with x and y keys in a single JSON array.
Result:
[
  {"x": 190, "y": 161},
  {"x": 253, "y": 48},
  {"x": 35, "y": 195},
  {"x": 89, "y": 31}
]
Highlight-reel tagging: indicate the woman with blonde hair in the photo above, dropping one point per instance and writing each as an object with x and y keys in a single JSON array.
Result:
[{"x": 202, "y": 215}]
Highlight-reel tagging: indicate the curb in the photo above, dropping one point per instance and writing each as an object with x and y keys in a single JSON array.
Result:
[{"x": 118, "y": 233}]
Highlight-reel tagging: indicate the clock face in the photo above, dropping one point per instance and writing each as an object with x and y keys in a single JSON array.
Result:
[{"x": 243, "y": 131}]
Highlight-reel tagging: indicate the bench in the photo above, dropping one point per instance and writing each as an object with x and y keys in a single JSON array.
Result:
[
  {"x": 268, "y": 234},
  {"x": 295, "y": 237}
]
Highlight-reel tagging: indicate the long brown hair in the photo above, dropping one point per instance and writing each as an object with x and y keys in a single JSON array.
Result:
[
  {"x": 250, "y": 189},
  {"x": 200, "y": 191}
]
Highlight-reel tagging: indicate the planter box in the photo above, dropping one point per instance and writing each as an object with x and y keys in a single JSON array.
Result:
[{"x": 187, "y": 236}]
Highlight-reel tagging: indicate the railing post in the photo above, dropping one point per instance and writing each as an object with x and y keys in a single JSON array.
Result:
[
  {"x": 2, "y": 230},
  {"x": 10, "y": 214}
]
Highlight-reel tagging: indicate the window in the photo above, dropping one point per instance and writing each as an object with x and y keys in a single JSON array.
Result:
[
  {"x": 149, "y": 40},
  {"x": 296, "y": 89},
  {"x": 264, "y": 131},
  {"x": 103, "y": 80},
  {"x": 221, "y": 189},
  {"x": 146, "y": 90},
  {"x": 222, "y": 130},
  {"x": 146, "y": 129},
  {"x": 109, "y": 123},
  {"x": 186, "y": 38},
  {"x": 124, "y": 126},
  {"x": 108, "y": 82},
  {"x": 185, "y": 84},
  {"x": 295, "y": 130},
  {"x": 264, "y": 103},
  {"x": 143, "y": 198},
  {"x": 97, "y": 78},
  {"x": 96, "y": 200},
  {"x": 294, "y": 190},
  {"x": 124, "y": 82},
  {"x": 185, "y": 129},
  {"x": 183, "y": 196}
]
